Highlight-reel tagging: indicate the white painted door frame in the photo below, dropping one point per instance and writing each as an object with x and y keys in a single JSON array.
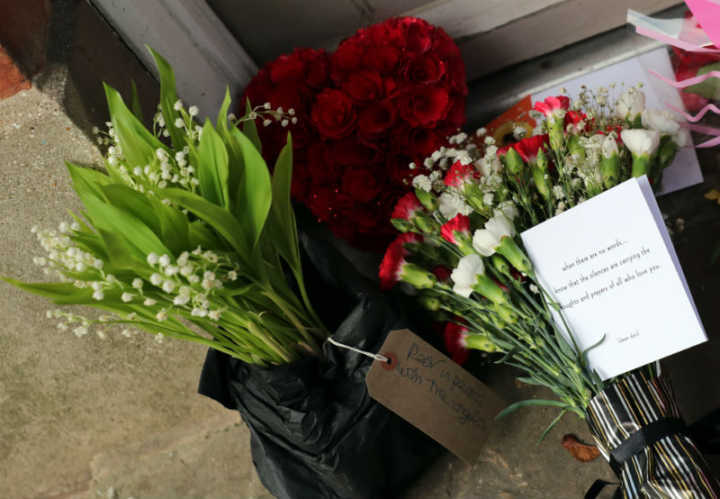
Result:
[{"x": 206, "y": 57}]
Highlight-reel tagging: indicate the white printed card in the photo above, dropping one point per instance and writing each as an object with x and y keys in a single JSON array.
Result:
[{"x": 610, "y": 264}]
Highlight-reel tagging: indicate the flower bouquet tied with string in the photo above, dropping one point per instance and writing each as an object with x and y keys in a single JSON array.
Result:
[{"x": 460, "y": 250}]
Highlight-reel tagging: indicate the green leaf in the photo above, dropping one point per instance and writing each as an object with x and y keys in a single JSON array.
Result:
[
  {"x": 137, "y": 143},
  {"x": 212, "y": 167},
  {"x": 552, "y": 425},
  {"x": 87, "y": 182},
  {"x": 222, "y": 117},
  {"x": 132, "y": 202},
  {"x": 61, "y": 293},
  {"x": 116, "y": 221},
  {"x": 168, "y": 97},
  {"x": 250, "y": 128},
  {"x": 531, "y": 381},
  {"x": 201, "y": 235},
  {"x": 122, "y": 254},
  {"x": 527, "y": 403},
  {"x": 591, "y": 347},
  {"x": 281, "y": 226},
  {"x": 218, "y": 218},
  {"x": 254, "y": 195},
  {"x": 174, "y": 227},
  {"x": 135, "y": 105}
]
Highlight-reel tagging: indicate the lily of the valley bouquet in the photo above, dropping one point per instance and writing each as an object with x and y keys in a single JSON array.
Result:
[
  {"x": 186, "y": 238},
  {"x": 461, "y": 252},
  {"x": 186, "y": 233}
]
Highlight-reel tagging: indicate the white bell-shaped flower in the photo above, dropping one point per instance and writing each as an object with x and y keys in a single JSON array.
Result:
[{"x": 465, "y": 275}]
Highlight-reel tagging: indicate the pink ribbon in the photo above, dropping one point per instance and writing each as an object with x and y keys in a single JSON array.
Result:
[
  {"x": 699, "y": 115},
  {"x": 687, "y": 82},
  {"x": 707, "y": 130}
]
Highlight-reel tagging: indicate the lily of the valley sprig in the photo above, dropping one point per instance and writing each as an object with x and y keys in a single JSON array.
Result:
[{"x": 185, "y": 234}]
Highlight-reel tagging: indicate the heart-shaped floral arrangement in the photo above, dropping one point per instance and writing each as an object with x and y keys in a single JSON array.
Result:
[{"x": 365, "y": 115}]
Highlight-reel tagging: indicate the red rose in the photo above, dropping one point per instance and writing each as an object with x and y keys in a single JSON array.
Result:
[
  {"x": 289, "y": 95},
  {"x": 419, "y": 35},
  {"x": 383, "y": 58},
  {"x": 287, "y": 67},
  {"x": 376, "y": 119},
  {"x": 319, "y": 202},
  {"x": 364, "y": 86},
  {"x": 322, "y": 171},
  {"x": 347, "y": 58},
  {"x": 425, "y": 106},
  {"x": 456, "y": 75},
  {"x": 316, "y": 67},
  {"x": 422, "y": 142},
  {"x": 456, "y": 114},
  {"x": 333, "y": 114},
  {"x": 350, "y": 152},
  {"x": 424, "y": 69},
  {"x": 360, "y": 184}
]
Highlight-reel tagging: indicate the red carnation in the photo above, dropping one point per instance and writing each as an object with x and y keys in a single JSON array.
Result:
[
  {"x": 442, "y": 273},
  {"x": 459, "y": 174},
  {"x": 394, "y": 259},
  {"x": 407, "y": 206},
  {"x": 425, "y": 106},
  {"x": 578, "y": 120},
  {"x": 528, "y": 148},
  {"x": 333, "y": 114},
  {"x": 456, "y": 343},
  {"x": 552, "y": 105},
  {"x": 460, "y": 224}
]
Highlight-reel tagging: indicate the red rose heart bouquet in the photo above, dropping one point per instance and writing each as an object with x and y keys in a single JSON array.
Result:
[{"x": 385, "y": 99}]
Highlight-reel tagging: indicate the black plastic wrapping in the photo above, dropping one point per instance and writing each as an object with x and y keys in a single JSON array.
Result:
[
  {"x": 315, "y": 431},
  {"x": 639, "y": 430}
]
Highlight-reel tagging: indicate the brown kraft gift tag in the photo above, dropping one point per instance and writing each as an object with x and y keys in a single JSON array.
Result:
[{"x": 433, "y": 393}]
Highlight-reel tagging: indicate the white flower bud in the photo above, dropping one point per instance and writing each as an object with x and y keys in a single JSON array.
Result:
[
  {"x": 156, "y": 279},
  {"x": 137, "y": 283},
  {"x": 126, "y": 297}
]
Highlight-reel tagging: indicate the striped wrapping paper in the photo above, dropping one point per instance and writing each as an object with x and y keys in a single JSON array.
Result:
[{"x": 672, "y": 466}]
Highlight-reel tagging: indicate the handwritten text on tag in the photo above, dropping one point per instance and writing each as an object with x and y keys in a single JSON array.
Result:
[{"x": 430, "y": 391}]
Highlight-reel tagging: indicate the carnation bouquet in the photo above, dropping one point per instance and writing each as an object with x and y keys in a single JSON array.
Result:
[
  {"x": 185, "y": 233},
  {"x": 460, "y": 251}
]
